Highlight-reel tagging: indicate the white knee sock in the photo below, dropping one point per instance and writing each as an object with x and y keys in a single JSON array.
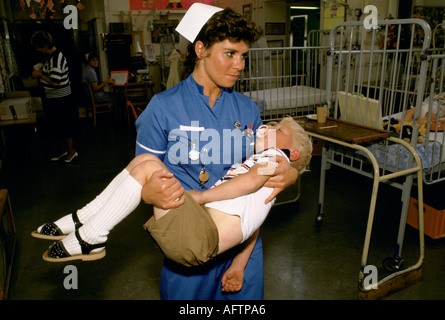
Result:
[
  {"x": 66, "y": 223},
  {"x": 120, "y": 204},
  {"x": 94, "y": 206}
]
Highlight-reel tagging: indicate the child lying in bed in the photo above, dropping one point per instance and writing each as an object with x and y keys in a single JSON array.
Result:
[
  {"x": 437, "y": 108},
  {"x": 207, "y": 224}
]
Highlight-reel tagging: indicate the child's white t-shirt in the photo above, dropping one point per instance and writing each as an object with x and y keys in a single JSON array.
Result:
[{"x": 251, "y": 207}]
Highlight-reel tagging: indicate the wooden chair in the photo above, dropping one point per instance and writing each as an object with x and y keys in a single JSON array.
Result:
[
  {"x": 98, "y": 108},
  {"x": 134, "y": 111},
  {"x": 137, "y": 94}
]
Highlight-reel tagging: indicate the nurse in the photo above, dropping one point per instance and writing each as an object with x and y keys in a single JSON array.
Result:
[{"x": 199, "y": 128}]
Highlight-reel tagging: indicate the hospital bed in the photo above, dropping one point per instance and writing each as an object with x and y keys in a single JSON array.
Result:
[
  {"x": 372, "y": 81},
  {"x": 285, "y": 81},
  {"x": 374, "y": 77}
]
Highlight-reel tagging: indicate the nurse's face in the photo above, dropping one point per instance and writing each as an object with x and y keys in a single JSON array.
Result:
[{"x": 224, "y": 62}]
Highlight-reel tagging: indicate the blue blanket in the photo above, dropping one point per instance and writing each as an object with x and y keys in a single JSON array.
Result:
[{"x": 397, "y": 155}]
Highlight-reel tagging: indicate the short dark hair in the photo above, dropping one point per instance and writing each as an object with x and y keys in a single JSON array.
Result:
[
  {"x": 91, "y": 56},
  {"x": 223, "y": 25},
  {"x": 41, "y": 39},
  {"x": 228, "y": 24}
]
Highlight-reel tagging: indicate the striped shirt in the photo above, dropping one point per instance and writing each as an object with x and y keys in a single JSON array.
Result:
[
  {"x": 265, "y": 156},
  {"x": 56, "y": 68}
]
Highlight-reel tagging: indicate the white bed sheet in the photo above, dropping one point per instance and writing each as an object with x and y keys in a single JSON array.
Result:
[{"x": 287, "y": 97}]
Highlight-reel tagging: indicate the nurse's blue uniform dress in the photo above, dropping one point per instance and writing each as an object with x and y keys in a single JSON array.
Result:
[{"x": 180, "y": 120}]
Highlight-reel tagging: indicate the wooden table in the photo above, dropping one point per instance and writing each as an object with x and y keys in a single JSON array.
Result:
[
  {"x": 148, "y": 85},
  {"x": 30, "y": 120},
  {"x": 344, "y": 131}
]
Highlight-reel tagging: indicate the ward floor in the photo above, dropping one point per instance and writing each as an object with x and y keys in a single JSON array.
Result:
[{"x": 301, "y": 261}]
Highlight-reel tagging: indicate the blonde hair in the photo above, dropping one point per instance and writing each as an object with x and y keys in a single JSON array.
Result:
[{"x": 300, "y": 141}]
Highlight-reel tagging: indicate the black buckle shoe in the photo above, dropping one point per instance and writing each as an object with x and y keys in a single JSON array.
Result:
[
  {"x": 50, "y": 231},
  {"x": 58, "y": 253}
]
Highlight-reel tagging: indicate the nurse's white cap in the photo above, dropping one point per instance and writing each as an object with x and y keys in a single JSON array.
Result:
[{"x": 194, "y": 19}]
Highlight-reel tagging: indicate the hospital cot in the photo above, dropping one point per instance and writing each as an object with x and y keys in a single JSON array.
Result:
[
  {"x": 373, "y": 81},
  {"x": 284, "y": 81}
]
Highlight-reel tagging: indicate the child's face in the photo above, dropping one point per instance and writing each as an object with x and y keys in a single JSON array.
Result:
[{"x": 279, "y": 136}]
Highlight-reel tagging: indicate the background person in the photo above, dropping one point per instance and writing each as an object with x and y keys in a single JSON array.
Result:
[
  {"x": 60, "y": 109},
  {"x": 89, "y": 77}
]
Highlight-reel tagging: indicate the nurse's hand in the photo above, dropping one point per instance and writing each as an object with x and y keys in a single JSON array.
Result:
[
  {"x": 284, "y": 176},
  {"x": 163, "y": 191}
]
